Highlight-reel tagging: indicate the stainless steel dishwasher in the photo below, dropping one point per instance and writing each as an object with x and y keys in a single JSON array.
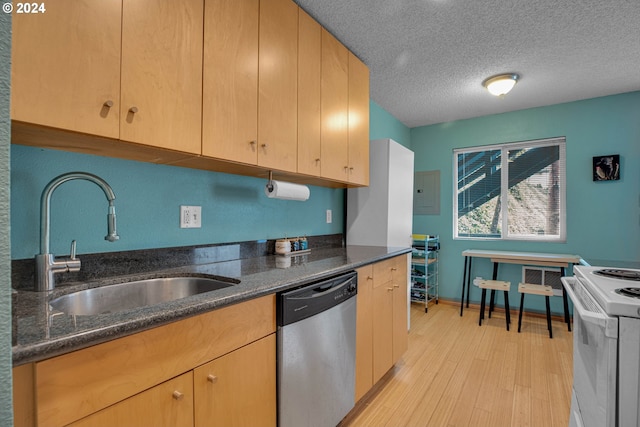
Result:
[{"x": 317, "y": 352}]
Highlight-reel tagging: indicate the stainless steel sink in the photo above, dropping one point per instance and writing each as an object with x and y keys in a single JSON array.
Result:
[{"x": 131, "y": 295}]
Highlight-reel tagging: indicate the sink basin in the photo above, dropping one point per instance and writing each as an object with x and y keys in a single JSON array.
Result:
[{"x": 131, "y": 295}]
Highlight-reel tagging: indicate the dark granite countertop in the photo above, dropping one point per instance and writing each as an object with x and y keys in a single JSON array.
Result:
[{"x": 39, "y": 333}]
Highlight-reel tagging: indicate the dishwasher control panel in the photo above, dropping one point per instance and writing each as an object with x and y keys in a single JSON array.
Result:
[{"x": 314, "y": 298}]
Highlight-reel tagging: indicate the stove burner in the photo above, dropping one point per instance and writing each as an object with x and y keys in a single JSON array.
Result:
[
  {"x": 619, "y": 274},
  {"x": 629, "y": 292}
]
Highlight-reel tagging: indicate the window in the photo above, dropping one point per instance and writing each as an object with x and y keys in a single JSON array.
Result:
[{"x": 513, "y": 191}]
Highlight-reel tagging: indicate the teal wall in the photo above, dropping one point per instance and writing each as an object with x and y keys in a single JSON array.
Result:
[
  {"x": 6, "y": 407},
  {"x": 148, "y": 199},
  {"x": 603, "y": 218},
  {"x": 383, "y": 125}
]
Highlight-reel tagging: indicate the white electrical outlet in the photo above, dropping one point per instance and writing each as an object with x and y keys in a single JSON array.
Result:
[
  {"x": 190, "y": 216},
  {"x": 329, "y": 216}
]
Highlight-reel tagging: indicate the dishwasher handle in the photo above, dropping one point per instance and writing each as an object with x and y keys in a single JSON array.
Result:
[{"x": 326, "y": 288}]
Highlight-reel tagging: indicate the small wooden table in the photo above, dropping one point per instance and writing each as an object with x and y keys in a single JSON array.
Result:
[{"x": 525, "y": 258}]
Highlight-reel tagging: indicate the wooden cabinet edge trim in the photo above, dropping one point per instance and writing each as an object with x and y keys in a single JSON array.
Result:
[{"x": 58, "y": 139}]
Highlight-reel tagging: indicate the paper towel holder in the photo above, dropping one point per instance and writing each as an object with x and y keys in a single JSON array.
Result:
[
  {"x": 270, "y": 183},
  {"x": 285, "y": 190}
]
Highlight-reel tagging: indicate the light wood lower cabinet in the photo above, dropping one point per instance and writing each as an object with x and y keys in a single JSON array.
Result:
[
  {"x": 238, "y": 389},
  {"x": 364, "y": 331},
  {"x": 169, "y": 404},
  {"x": 76, "y": 385},
  {"x": 381, "y": 320}
]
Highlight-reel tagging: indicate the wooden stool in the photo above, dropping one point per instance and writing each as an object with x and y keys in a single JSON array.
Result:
[
  {"x": 528, "y": 288},
  {"x": 494, "y": 285}
]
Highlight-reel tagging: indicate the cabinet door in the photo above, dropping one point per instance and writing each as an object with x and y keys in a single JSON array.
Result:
[
  {"x": 309, "y": 59},
  {"x": 66, "y": 66},
  {"x": 162, "y": 74},
  {"x": 400, "y": 327},
  {"x": 334, "y": 109},
  {"x": 358, "y": 121},
  {"x": 238, "y": 389},
  {"x": 230, "y": 80},
  {"x": 364, "y": 331},
  {"x": 277, "y": 85},
  {"x": 382, "y": 328},
  {"x": 168, "y": 404}
]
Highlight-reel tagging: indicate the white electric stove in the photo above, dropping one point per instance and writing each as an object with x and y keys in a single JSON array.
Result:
[{"x": 606, "y": 346}]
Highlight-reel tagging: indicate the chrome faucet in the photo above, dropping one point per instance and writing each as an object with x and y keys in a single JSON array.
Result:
[{"x": 46, "y": 264}]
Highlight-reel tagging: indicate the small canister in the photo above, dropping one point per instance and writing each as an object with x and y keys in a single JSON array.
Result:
[
  {"x": 295, "y": 245},
  {"x": 283, "y": 246},
  {"x": 304, "y": 245}
]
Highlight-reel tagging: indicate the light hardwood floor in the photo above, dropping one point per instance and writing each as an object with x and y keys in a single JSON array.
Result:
[{"x": 457, "y": 373}]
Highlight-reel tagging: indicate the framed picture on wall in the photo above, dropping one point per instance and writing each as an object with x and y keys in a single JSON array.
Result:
[{"x": 606, "y": 168}]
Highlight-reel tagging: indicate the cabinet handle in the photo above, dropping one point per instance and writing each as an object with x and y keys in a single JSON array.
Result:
[
  {"x": 108, "y": 103},
  {"x": 212, "y": 378},
  {"x": 351, "y": 170},
  {"x": 394, "y": 269},
  {"x": 264, "y": 146},
  {"x": 177, "y": 395},
  {"x": 346, "y": 169},
  {"x": 369, "y": 278},
  {"x": 317, "y": 160},
  {"x": 396, "y": 286},
  {"x": 133, "y": 110},
  {"x": 389, "y": 289}
]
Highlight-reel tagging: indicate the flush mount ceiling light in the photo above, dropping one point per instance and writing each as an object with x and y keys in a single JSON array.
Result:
[{"x": 501, "y": 84}]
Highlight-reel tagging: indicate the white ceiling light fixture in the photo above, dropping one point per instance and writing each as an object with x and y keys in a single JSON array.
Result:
[{"x": 501, "y": 84}]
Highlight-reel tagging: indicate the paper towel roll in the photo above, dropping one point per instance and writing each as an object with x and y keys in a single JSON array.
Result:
[{"x": 287, "y": 191}]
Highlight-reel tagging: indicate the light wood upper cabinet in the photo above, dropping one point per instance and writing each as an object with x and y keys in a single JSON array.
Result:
[
  {"x": 236, "y": 86},
  {"x": 334, "y": 109},
  {"x": 66, "y": 66},
  {"x": 166, "y": 405},
  {"x": 278, "y": 85},
  {"x": 130, "y": 70},
  {"x": 230, "y": 80},
  {"x": 309, "y": 63},
  {"x": 162, "y": 73},
  {"x": 358, "y": 121},
  {"x": 238, "y": 389}
]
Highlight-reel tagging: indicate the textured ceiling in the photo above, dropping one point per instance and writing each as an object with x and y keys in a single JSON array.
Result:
[{"x": 428, "y": 58}]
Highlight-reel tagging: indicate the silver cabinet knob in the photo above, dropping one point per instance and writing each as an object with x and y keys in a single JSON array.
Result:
[{"x": 177, "y": 395}]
